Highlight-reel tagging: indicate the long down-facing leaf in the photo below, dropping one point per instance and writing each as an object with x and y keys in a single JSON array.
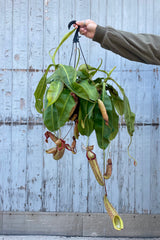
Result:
[
  {"x": 86, "y": 116},
  {"x": 115, "y": 121},
  {"x": 103, "y": 131},
  {"x": 128, "y": 114},
  {"x": 66, "y": 36},
  {"x": 54, "y": 91},
  {"x": 117, "y": 101},
  {"x": 40, "y": 90},
  {"x": 90, "y": 89},
  {"x": 57, "y": 114}
]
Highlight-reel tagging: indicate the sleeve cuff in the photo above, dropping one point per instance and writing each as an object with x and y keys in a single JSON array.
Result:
[{"x": 99, "y": 34}]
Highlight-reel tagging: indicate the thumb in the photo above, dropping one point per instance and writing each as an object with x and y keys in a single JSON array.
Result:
[{"x": 80, "y": 23}]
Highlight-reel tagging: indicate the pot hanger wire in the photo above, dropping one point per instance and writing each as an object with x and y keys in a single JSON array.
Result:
[{"x": 75, "y": 43}]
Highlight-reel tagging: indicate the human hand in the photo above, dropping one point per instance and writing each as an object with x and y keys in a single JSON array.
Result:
[{"x": 87, "y": 27}]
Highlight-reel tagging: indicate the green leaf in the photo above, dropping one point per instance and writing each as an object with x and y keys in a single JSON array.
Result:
[
  {"x": 40, "y": 90},
  {"x": 86, "y": 68},
  {"x": 57, "y": 114},
  {"x": 128, "y": 114},
  {"x": 67, "y": 74},
  {"x": 66, "y": 36},
  {"x": 117, "y": 101},
  {"x": 103, "y": 131},
  {"x": 115, "y": 121},
  {"x": 82, "y": 75},
  {"x": 111, "y": 90},
  {"x": 119, "y": 104},
  {"x": 90, "y": 89},
  {"x": 86, "y": 115},
  {"x": 54, "y": 91},
  {"x": 50, "y": 117},
  {"x": 50, "y": 79},
  {"x": 89, "y": 70},
  {"x": 106, "y": 99}
]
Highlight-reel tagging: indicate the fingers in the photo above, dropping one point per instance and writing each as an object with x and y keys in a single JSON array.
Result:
[
  {"x": 81, "y": 23},
  {"x": 83, "y": 31},
  {"x": 87, "y": 27}
]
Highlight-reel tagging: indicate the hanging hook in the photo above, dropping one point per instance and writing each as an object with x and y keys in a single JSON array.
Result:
[
  {"x": 76, "y": 36},
  {"x": 75, "y": 41}
]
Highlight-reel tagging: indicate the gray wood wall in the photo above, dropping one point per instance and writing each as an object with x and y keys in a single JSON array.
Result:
[{"x": 30, "y": 180}]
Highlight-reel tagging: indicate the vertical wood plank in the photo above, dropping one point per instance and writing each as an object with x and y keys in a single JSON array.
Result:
[
  {"x": 80, "y": 177},
  {"x": 51, "y": 28},
  {"x": 96, "y": 53},
  {"x": 139, "y": 153},
  {"x": 114, "y": 19},
  {"x": 82, "y": 12},
  {"x": 122, "y": 169},
  {"x": 6, "y": 49},
  {"x": 5, "y": 168},
  {"x": 50, "y": 184},
  {"x": 129, "y": 23},
  {"x": 96, "y": 191},
  {"x": 154, "y": 156},
  {"x": 20, "y": 34},
  {"x": 34, "y": 168},
  {"x": 65, "y": 51},
  {"x": 36, "y": 27},
  {"x": 143, "y": 94},
  {"x": 19, "y": 96},
  {"x": 113, "y": 181},
  {"x": 146, "y": 169},
  {"x": 18, "y": 167},
  {"x": 65, "y": 176},
  {"x": 150, "y": 16},
  {"x": 6, "y": 96}
]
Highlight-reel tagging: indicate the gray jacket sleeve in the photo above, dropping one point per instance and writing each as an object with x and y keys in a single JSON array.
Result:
[{"x": 143, "y": 48}]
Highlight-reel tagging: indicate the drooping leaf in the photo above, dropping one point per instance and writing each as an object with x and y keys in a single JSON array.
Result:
[
  {"x": 90, "y": 89},
  {"x": 51, "y": 117},
  {"x": 85, "y": 117},
  {"x": 50, "y": 78},
  {"x": 128, "y": 114},
  {"x": 117, "y": 101},
  {"x": 103, "y": 131},
  {"x": 54, "y": 91},
  {"x": 119, "y": 104},
  {"x": 57, "y": 114},
  {"x": 82, "y": 75},
  {"x": 40, "y": 90},
  {"x": 111, "y": 90},
  {"x": 66, "y": 36},
  {"x": 106, "y": 99},
  {"x": 115, "y": 121},
  {"x": 67, "y": 74}
]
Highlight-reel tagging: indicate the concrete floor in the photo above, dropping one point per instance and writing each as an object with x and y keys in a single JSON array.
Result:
[{"x": 65, "y": 238}]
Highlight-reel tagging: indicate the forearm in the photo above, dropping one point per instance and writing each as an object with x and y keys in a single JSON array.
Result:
[{"x": 143, "y": 48}]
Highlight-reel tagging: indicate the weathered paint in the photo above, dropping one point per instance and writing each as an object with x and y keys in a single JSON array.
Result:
[{"x": 30, "y": 180}]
